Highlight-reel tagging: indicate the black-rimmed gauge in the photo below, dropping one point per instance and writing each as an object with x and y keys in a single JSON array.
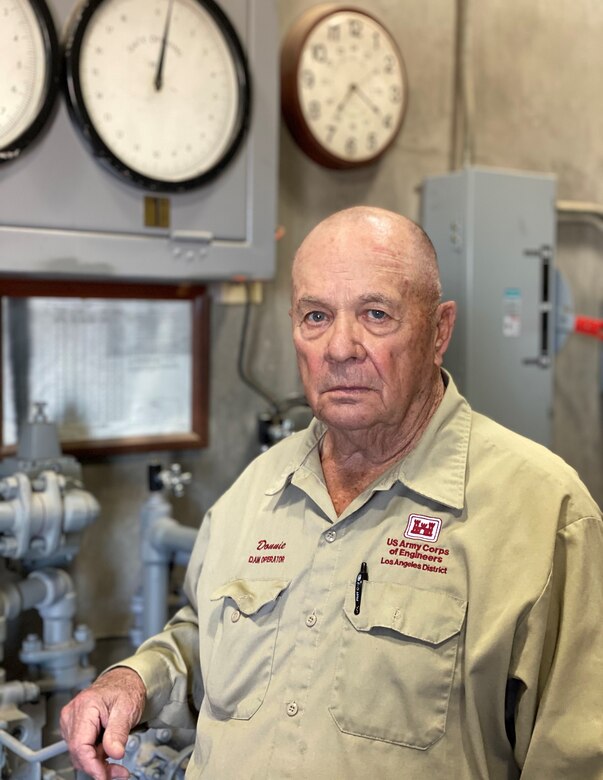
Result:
[
  {"x": 159, "y": 89},
  {"x": 29, "y": 64}
]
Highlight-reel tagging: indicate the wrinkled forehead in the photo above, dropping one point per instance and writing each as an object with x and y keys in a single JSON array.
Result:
[{"x": 333, "y": 257}]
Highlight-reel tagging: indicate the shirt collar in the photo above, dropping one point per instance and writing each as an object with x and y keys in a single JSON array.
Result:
[
  {"x": 435, "y": 468},
  {"x": 306, "y": 451},
  {"x": 437, "y": 465}
]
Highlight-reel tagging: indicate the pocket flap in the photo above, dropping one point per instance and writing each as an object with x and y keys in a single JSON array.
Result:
[
  {"x": 431, "y": 616},
  {"x": 250, "y": 595}
]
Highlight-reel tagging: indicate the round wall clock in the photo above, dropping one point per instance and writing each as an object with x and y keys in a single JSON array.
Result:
[
  {"x": 29, "y": 64},
  {"x": 159, "y": 89},
  {"x": 343, "y": 86}
]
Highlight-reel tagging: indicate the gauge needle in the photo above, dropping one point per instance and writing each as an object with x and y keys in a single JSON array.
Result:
[{"x": 166, "y": 29}]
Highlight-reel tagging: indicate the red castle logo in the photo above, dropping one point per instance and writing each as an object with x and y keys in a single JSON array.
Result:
[{"x": 422, "y": 527}]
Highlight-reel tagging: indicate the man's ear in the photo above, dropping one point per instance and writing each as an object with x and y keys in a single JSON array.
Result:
[{"x": 445, "y": 317}]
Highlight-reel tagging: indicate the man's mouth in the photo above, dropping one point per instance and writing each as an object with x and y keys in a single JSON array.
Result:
[{"x": 346, "y": 389}]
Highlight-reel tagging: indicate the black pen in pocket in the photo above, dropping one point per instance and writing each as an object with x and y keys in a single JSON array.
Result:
[{"x": 360, "y": 578}]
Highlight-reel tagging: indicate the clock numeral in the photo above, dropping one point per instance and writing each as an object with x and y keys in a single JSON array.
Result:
[
  {"x": 331, "y": 130},
  {"x": 355, "y": 28},
  {"x": 371, "y": 141},
  {"x": 388, "y": 64},
  {"x": 334, "y": 32},
  {"x": 137, "y": 42},
  {"x": 388, "y": 121},
  {"x": 319, "y": 52},
  {"x": 376, "y": 41},
  {"x": 314, "y": 109},
  {"x": 351, "y": 146},
  {"x": 395, "y": 94},
  {"x": 308, "y": 79}
]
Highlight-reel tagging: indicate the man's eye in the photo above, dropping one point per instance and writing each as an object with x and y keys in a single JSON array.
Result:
[
  {"x": 314, "y": 317},
  {"x": 376, "y": 314}
]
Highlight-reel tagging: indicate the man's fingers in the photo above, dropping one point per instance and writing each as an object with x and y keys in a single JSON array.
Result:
[
  {"x": 117, "y": 730},
  {"x": 113, "y": 705},
  {"x": 83, "y": 725},
  {"x": 91, "y": 760},
  {"x": 117, "y": 771}
]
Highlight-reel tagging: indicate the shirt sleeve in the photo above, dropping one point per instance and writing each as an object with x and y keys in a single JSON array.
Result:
[
  {"x": 559, "y": 663},
  {"x": 168, "y": 663}
]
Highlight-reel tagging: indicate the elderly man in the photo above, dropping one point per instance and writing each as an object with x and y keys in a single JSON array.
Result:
[{"x": 404, "y": 589}]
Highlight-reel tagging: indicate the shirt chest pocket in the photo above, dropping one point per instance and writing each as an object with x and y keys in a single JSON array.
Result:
[
  {"x": 396, "y": 663},
  {"x": 242, "y": 656}
]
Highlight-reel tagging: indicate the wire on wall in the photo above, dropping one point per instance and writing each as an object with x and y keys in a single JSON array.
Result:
[{"x": 251, "y": 383}]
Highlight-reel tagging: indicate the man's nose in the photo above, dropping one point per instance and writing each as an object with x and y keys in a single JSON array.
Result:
[{"x": 345, "y": 340}]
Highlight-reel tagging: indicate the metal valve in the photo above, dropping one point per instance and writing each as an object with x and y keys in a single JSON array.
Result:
[{"x": 172, "y": 479}]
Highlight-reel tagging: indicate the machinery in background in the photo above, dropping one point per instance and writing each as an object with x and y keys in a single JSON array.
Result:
[
  {"x": 159, "y": 752},
  {"x": 86, "y": 220},
  {"x": 494, "y": 232},
  {"x": 164, "y": 542},
  {"x": 284, "y": 419},
  {"x": 43, "y": 511}
]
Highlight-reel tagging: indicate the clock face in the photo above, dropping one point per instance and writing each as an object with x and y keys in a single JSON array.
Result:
[
  {"x": 159, "y": 89},
  {"x": 29, "y": 63},
  {"x": 344, "y": 88}
]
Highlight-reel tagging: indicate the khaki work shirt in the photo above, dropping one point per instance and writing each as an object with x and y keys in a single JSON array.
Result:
[{"x": 484, "y": 561}]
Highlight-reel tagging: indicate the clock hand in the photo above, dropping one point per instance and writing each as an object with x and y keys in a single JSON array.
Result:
[
  {"x": 342, "y": 103},
  {"x": 363, "y": 96},
  {"x": 159, "y": 73}
]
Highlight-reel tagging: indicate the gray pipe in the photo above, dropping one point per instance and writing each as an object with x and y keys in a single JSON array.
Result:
[
  {"x": 155, "y": 612},
  {"x": 172, "y": 537},
  {"x": 29, "y": 755}
]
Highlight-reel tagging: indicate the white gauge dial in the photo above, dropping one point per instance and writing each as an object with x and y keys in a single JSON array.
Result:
[
  {"x": 344, "y": 86},
  {"x": 26, "y": 64},
  {"x": 161, "y": 84}
]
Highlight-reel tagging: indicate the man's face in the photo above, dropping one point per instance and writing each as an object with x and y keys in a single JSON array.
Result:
[{"x": 366, "y": 348}]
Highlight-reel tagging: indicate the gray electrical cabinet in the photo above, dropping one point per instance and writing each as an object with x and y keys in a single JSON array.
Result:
[
  {"x": 62, "y": 215},
  {"x": 494, "y": 232}
]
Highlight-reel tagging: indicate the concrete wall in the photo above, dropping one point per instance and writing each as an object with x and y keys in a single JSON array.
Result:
[{"x": 538, "y": 104}]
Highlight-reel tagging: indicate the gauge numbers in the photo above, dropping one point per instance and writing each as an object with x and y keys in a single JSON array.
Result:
[
  {"x": 162, "y": 87},
  {"x": 351, "y": 86},
  {"x": 26, "y": 65}
]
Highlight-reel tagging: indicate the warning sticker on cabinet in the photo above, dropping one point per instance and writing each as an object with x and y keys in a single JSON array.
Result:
[{"x": 512, "y": 312}]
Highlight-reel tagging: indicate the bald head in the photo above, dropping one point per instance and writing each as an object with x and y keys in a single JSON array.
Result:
[{"x": 391, "y": 235}]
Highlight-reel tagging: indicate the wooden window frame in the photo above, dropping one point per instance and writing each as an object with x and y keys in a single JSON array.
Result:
[{"x": 197, "y": 437}]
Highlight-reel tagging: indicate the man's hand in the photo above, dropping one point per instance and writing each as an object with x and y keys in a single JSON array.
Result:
[{"x": 97, "y": 722}]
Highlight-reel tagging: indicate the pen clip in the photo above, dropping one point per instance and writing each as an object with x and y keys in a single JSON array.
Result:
[{"x": 361, "y": 577}]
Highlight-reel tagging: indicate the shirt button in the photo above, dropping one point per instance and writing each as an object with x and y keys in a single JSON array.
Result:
[
  {"x": 235, "y": 616},
  {"x": 311, "y": 620},
  {"x": 292, "y": 709},
  {"x": 330, "y": 536}
]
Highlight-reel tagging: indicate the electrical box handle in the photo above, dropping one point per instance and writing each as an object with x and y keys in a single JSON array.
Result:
[
  {"x": 545, "y": 254},
  {"x": 589, "y": 326}
]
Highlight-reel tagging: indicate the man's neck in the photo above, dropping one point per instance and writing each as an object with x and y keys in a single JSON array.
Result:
[{"x": 352, "y": 460}]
